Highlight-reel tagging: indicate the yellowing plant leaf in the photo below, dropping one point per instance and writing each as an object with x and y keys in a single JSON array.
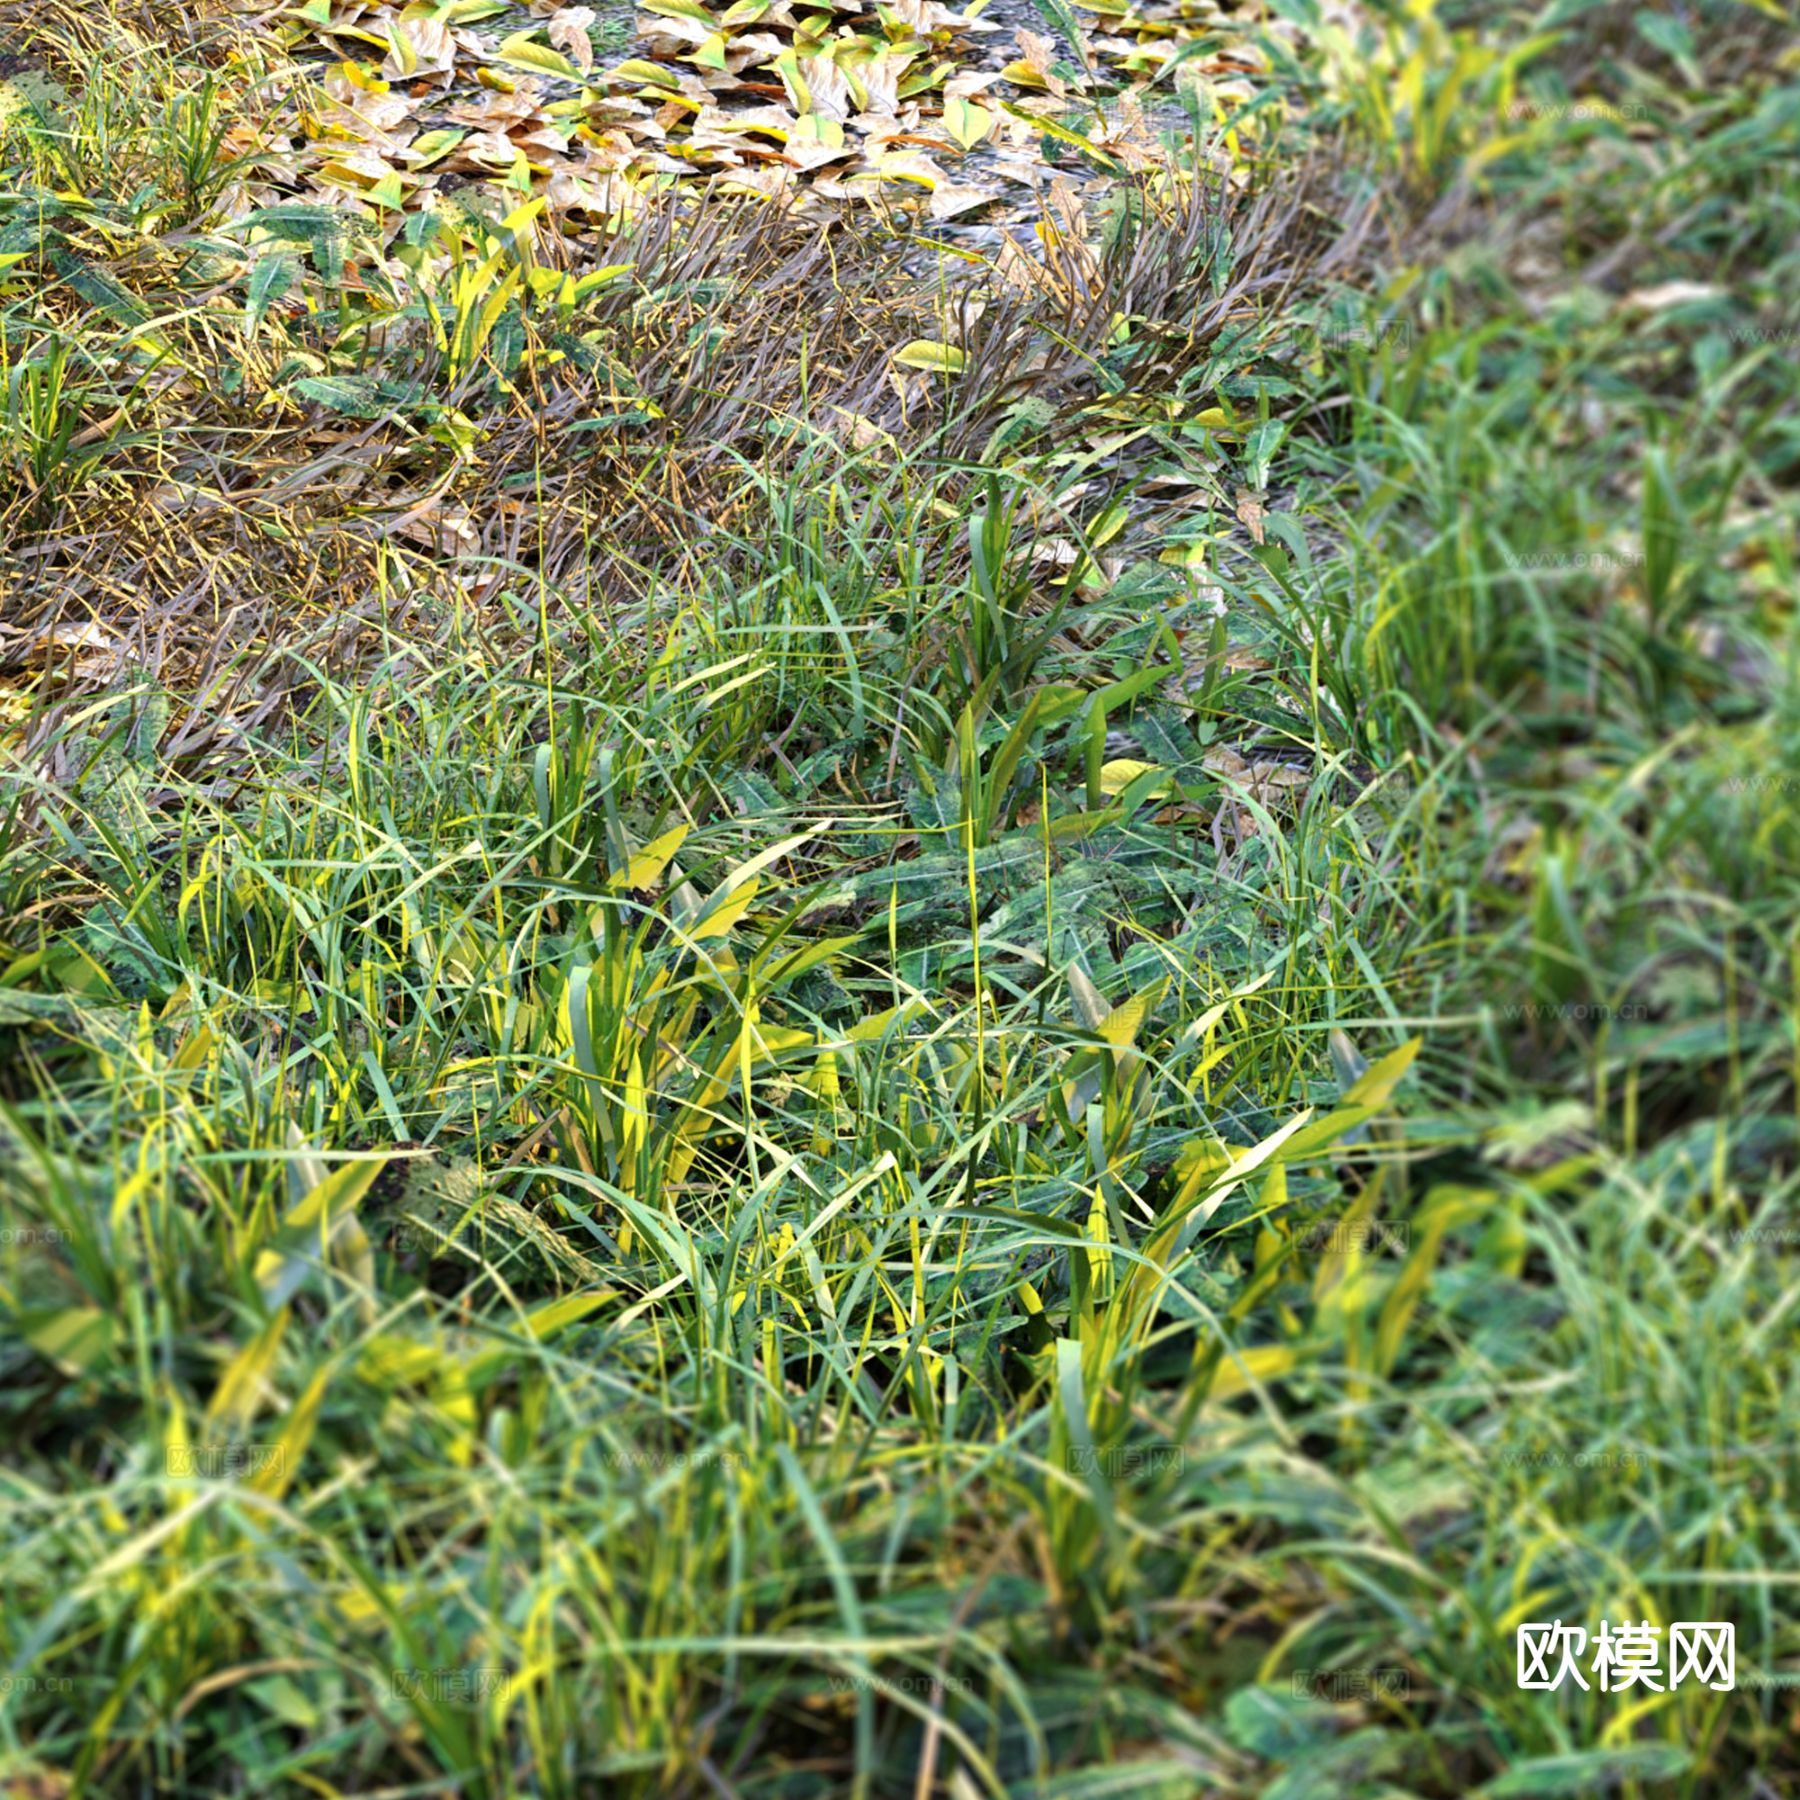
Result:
[
  {"x": 545, "y": 1321},
  {"x": 726, "y": 910},
  {"x": 1124, "y": 1022},
  {"x": 323, "y": 1220},
  {"x": 1022, "y": 74},
  {"x": 238, "y": 1395},
  {"x": 596, "y": 278},
  {"x": 927, "y": 353},
  {"x": 1375, "y": 1087},
  {"x": 277, "y": 1465},
  {"x": 403, "y": 57},
  {"x": 647, "y": 865},
  {"x": 75, "y": 1337},
  {"x": 1238, "y": 1374}
]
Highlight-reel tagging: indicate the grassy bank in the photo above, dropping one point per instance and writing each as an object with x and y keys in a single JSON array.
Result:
[{"x": 769, "y": 1027}]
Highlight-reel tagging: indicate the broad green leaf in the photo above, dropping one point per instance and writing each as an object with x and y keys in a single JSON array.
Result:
[
  {"x": 357, "y": 395},
  {"x": 1260, "y": 444},
  {"x": 272, "y": 276},
  {"x": 1588, "y": 1772},
  {"x": 1091, "y": 1006}
]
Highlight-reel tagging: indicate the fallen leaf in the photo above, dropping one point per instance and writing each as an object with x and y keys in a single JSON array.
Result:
[
  {"x": 1033, "y": 69},
  {"x": 523, "y": 51},
  {"x": 568, "y": 31},
  {"x": 967, "y": 122},
  {"x": 927, "y": 353},
  {"x": 90, "y": 648},
  {"x": 1117, "y": 776},
  {"x": 1670, "y": 294}
]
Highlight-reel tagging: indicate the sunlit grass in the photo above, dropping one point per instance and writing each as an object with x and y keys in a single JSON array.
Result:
[{"x": 757, "y": 1115}]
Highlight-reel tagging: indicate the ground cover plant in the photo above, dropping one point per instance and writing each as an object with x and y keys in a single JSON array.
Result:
[{"x": 896, "y": 902}]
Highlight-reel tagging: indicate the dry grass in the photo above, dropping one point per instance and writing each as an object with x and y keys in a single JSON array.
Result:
[{"x": 197, "y": 511}]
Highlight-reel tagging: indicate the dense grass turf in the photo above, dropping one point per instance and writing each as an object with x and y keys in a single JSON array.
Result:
[{"x": 722, "y": 1076}]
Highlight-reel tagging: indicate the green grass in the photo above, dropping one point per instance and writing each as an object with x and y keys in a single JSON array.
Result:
[{"x": 794, "y": 1130}]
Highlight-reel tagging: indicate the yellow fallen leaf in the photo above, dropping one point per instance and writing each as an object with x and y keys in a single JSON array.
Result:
[
  {"x": 1116, "y": 777},
  {"x": 927, "y": 353},
  {"x": 654, "y": 74},
  {"x": 966, "y": 122},
  {"x": 522, "y": 51}
]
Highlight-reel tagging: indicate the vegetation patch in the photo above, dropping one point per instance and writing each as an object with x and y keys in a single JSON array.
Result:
[{"x": 802, "y": 995}]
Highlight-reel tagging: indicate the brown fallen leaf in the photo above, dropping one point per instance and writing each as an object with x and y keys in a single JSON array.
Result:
[
  {"x": 1036, "y": 54},
  {"x": 420, "y": 49},
  {"x": 496, "y": 111},
  {"x": 81, "y": 647},
  {"x": 569, "y": 33},
  {"x": 447, "y": 529},
  {"x": 1274, "y": 784}
]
